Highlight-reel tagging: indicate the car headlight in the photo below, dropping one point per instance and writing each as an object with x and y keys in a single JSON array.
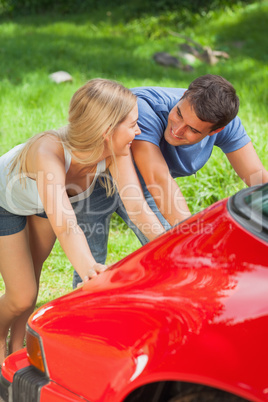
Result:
[{"x": 35, "y": 350}]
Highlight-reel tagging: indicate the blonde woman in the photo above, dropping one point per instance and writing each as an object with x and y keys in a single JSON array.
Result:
[{"x": 39, "y": 182}]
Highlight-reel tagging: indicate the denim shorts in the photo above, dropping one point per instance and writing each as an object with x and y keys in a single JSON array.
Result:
[{"x": 11, "y": 223}]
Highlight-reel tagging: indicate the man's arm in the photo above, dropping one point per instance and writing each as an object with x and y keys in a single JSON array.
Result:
[
  {"x": 248, "y": 166},
  {"x": 161, "y": 185},
  {"x": 131, "y": 194}
]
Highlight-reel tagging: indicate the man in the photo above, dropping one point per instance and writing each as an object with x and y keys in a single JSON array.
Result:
[{"x": 178, "y": 131}]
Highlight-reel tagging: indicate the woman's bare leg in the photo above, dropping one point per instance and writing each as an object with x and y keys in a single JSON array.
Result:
[
  {"x": 16, "y": 268},
  {"x": 41, "y": 240}
]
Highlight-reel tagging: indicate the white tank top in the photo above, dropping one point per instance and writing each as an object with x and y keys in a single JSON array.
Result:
[{"x": 21, "y": 199}]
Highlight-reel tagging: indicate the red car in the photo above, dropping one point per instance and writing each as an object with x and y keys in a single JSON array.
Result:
[{"x": 184, "y": 318}]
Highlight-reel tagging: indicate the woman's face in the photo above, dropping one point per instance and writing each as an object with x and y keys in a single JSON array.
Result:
[{"x": 125, "y": 132}]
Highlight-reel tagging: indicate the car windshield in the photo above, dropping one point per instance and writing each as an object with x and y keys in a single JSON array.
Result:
[
  {"x": 250, "y": 208},
  {"x": 258, "y": 200}
]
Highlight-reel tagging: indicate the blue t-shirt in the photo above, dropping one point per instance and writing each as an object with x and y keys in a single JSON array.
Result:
[{"x": 154, "y": 104}]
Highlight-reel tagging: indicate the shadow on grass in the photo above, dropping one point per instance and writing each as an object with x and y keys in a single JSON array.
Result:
[
  {"x": 248, "y": 37},
  {"x": 103, "y": 55},
  {"x": 95, "y": 48}
]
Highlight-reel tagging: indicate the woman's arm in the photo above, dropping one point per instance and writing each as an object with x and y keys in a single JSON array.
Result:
[
  {"x": 50, "y": 179},
  {"x": 131, "y": 194}
]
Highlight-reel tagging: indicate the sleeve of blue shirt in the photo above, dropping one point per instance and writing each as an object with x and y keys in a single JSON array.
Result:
[
  {"x": 232, "y": 137},
  {"x": 151, "y": 126}
]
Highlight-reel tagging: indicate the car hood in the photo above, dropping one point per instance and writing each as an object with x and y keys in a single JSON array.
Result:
[{"x": 186, "y": 291}]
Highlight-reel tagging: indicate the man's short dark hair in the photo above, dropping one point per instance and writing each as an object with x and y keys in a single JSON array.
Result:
[{"x": 214, "y": 100}]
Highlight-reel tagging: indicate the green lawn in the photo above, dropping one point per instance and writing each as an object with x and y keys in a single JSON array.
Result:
[{"x": 103, "y": 45}]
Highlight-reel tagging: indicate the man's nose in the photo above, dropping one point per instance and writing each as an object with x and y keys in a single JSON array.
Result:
[{"x": 180, "y": 129}]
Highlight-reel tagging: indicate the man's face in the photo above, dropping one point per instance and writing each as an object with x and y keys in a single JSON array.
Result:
[{"x": 184, "y": 127}]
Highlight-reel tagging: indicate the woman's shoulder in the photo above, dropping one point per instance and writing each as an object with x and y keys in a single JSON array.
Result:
[
  {"x": 48, "y": 143},
  {"x": 44, "y": 150}
]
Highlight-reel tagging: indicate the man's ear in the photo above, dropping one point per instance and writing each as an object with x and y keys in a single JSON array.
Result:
[{"x": 216, "y": 131}]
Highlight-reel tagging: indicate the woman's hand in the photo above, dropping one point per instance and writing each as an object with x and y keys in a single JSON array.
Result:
[
  {"x": 92, "y": 272},
  {"x": 95, "y": 270}
]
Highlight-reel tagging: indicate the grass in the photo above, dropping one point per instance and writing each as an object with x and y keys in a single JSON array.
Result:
[{"x": 104, "y": 45}]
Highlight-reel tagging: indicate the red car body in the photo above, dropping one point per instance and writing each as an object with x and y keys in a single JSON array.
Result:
[{"x": 191, "y": 307}]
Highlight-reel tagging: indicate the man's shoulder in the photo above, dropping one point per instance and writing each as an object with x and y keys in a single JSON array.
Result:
[{"x": 159, "y": 95}]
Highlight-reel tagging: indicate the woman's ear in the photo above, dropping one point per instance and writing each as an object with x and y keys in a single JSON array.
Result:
[{"x": 107, "y": 134}]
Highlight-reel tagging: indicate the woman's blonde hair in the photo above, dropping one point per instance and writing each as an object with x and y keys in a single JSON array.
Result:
[{"x": 96, "y": 109}]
